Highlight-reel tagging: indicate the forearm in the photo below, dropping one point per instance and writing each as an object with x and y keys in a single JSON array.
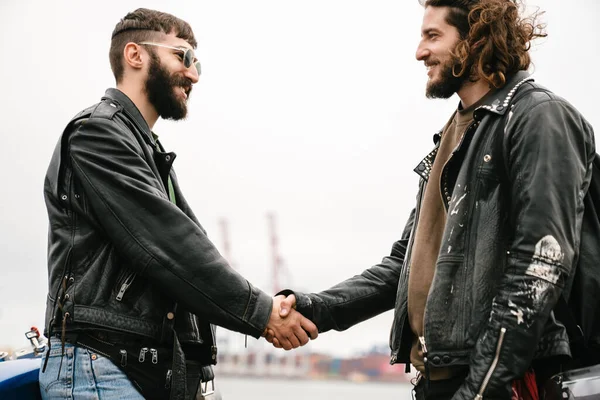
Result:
[
  {"x": 353, "y": 300},
  {"x": 360, "y": 297}
]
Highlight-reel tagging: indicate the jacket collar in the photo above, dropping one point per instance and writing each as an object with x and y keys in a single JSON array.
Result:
[
  {"x": 499, "y": 101},
  {"x": 116, "y": 96}
]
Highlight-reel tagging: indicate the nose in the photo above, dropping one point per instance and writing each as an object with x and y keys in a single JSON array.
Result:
[
  {"x": 192, "y": 74},
  {"x": 422, "y": 52}
]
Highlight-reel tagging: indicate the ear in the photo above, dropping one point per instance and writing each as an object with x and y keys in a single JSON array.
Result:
[{"x": 133, "y": 56}]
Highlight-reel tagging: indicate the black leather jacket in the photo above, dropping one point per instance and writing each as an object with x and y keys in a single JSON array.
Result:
[
  {"x": 515, "y": 202},
  {"x": 121, "y": 255}
]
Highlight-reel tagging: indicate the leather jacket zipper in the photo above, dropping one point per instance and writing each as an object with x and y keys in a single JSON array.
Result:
[
  {"x": 125, "y": 285},
  {"x": 444, "y": 189},
  {"x": 168, "y": 379},
  {"x": 488, "y": 376},
  {"x": 405, "y": 271}
]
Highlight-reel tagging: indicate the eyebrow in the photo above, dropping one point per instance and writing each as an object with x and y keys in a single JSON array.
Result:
[{"x": 429, "y": 31}]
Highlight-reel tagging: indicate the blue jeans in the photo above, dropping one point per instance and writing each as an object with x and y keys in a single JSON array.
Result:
[{"x": 83, "y": 375}]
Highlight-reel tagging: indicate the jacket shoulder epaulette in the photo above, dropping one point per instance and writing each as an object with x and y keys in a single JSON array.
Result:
[{"x": 105, "y": 109}]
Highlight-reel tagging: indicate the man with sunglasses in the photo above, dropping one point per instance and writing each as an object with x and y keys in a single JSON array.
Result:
[{"x": 135, "y": 285}]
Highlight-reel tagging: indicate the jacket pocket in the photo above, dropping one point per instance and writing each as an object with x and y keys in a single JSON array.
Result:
[{"x": 58, "y": 378}]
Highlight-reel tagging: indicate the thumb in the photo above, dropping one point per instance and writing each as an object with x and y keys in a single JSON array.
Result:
[{"x": 286, "y": 305}]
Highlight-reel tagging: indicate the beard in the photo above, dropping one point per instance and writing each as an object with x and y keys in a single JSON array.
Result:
[
  {"x": 447, "y": 84},
  {"x": 160, "y": 87}
]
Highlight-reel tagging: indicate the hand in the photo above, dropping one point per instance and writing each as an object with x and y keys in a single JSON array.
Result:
[
  {"x": 285, "y": 306},
  {"x": 284, "y": 309},
  {"x": 290, "y": 331}
]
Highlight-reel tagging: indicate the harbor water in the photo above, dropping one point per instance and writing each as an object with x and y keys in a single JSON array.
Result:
[{"x": 277, "y": 389}]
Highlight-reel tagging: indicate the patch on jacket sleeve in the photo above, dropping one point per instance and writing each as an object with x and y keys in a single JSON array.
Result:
[
  {"x": 546, "y": 258},
  {"x": 533, "y": 296},
  {"x": 517, "y": 312}
]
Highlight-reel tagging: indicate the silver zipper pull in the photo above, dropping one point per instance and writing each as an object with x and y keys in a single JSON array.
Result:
[
  {"x": 123, "y": 357},
  {"x": 122, "y": 291},
  {"x": 143, "y": 352},
  {"x": 154, "y": 353},
  {"x": 125, "y": 286},
  {"x": 168, "y": 379}
]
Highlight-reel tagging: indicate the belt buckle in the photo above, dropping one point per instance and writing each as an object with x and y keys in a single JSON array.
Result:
[{"x": 205, "y": 392}]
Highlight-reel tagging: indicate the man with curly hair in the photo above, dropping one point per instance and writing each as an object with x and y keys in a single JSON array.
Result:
[{"x": 496, "y": 228}]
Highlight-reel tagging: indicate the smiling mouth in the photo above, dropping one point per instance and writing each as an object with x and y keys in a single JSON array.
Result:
[
  {"x": 185, "y": 91},
  {"x": 430, "y": 68}
]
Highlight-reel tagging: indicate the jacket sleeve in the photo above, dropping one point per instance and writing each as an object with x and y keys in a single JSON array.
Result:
[
  {"x": 155, "y": 236},
  {"x": 360, "y": 297},
  {"x": 549, "y": 150}
]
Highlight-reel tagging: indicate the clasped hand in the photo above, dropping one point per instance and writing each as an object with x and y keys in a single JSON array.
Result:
[{"x": 287, "y": 328}]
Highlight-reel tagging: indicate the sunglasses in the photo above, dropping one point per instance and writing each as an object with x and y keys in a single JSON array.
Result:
[{"x": 187, "y": 55}]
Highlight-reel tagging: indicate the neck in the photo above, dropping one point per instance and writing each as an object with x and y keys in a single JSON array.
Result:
[
  {"x": 140, "y": 99},
  {"x": 471, "y": 92}
]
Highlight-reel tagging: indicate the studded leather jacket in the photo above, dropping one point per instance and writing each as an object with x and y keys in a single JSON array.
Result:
[
  {"x": 513, "y": 190},
  {"x": 121, "y": 255}
]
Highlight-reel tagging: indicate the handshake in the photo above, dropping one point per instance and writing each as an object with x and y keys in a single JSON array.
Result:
[{"x": 287, "y": 328}]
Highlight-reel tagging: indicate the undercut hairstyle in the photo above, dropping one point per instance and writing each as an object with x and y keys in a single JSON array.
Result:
[
  {"x": 494, "y": 38},
  {"x": 144, "y": 25}
]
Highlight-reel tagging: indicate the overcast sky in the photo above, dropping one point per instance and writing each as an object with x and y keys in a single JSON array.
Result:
[{"x": 313, "y": 110}]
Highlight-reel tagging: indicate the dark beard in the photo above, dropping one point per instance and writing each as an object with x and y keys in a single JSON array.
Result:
[
  {"x": 160, "y": 90},
  {"x": 448, "y": 84}
]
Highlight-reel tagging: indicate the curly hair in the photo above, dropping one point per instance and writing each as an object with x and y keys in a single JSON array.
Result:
[
  {"x": 144, "y": 25},
  {"x": 494, "y": 38}
]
